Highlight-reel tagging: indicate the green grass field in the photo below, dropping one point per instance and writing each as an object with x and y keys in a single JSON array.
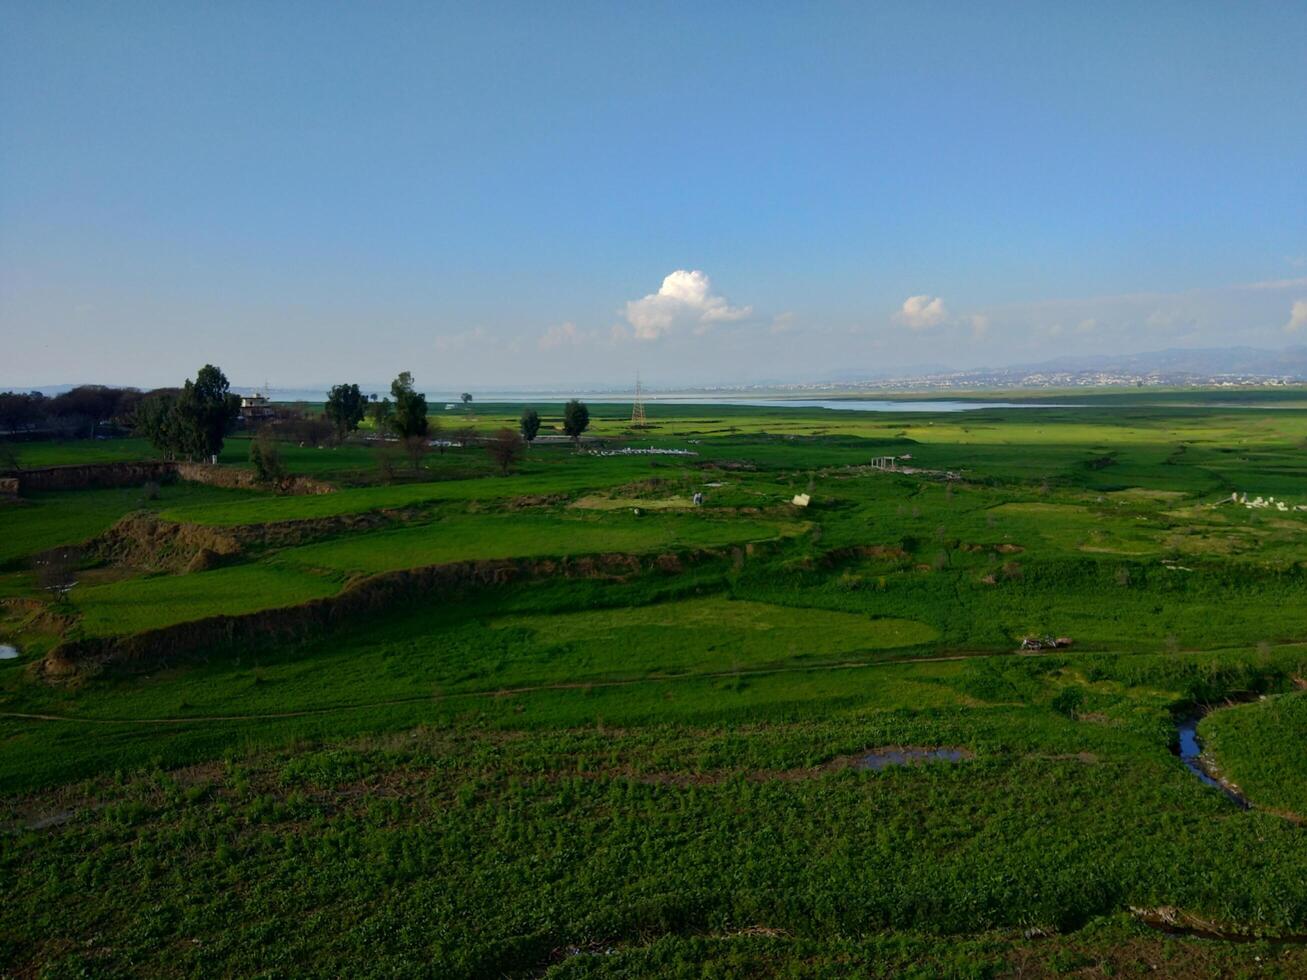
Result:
[{"x": 656, "y": 771}]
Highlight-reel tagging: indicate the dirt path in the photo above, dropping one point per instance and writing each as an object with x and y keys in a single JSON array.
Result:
[{"x": 500, "y": 692}]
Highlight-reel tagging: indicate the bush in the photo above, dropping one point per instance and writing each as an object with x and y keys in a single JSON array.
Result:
[{"x": 266, "y": 457}]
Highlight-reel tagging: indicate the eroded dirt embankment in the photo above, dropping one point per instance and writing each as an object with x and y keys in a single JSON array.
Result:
[
  {"x": 93, "y": 476},
  {"x": 369, "y": 596},
  {"x": 103, "y": 476},
  {"x": 235, "y": 478},
  {"x": 143, "y": 540}
]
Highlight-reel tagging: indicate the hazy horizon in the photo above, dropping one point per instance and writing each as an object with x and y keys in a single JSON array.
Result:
[{"x": 507, "y": 196}]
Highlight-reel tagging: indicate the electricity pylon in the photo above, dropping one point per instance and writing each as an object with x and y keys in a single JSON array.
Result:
[{"x": 637, "y": 407}]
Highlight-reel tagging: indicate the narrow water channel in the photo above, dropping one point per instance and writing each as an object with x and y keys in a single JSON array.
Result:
[{"x": 1190, "y": 751}]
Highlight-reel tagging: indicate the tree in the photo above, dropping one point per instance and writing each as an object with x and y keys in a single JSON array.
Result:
[
  {"x": 209, "y": 409},
  {"x": 467, "y": 400},
  {"x": 505, "y": 448},
  {"x": 529, "y": 424},
  {"x": 20, "y": 412},
  {"x": 192, "y": 422},
  {"x": 416, "y": 447},
  {"x": 576, "y": 419},
  {"x": 306, "y": 428},
  {"x": 381, "y": 412},
  {"x": 410, "y": 417},
  {"x": 345, "y": 408},
  {"x": 82, "y": 410},
  {"x": 155, "y": 420}
]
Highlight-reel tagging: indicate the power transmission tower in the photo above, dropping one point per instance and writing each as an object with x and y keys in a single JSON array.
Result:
[{"x": 637, "y": 407}]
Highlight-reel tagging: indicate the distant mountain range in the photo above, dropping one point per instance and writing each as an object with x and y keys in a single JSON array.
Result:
[
  {"x": 1177, "y": 366},
  {"x": 1204, "y": 361}
]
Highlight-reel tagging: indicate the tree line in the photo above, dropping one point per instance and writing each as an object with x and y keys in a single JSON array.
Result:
[
  {"x": 192, "y": 422},
  {"x": 82, "y": 412}
]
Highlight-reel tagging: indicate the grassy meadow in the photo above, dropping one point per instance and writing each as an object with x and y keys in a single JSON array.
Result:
[{"x": 658, "y": 768}]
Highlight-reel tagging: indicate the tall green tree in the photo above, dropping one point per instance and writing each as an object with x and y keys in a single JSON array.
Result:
[
  {"x": 155, "y": 419},
  {"x": 345, "y": 408},
  {"x": 576, "y": 419},
  {"x": 529, "y": 424},
  {"x": 381, "y": 412},
  {"x": 410, "y": 417},
  {"x": 206, "y": 411},
  {"x": 191, "y": 423}
]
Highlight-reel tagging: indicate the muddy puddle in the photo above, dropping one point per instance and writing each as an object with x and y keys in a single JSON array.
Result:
[{"x": 909, "y": 756}]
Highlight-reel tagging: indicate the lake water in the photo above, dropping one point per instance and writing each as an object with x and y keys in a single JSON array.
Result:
[
  {"x": 839, "y": 404},
  {"x": 438, "y": 401},
  {"x": 8, "y": 652}
]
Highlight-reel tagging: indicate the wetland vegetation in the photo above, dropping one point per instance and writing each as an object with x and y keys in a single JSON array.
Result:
[{"x": 566, "y": 722}]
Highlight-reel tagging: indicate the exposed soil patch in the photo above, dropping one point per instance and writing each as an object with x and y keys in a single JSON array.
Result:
[
  {"x": 89, "y": 476},
  {"x": 235, "y": 478},
  {"x": 597, "y": 502},
  {"x": 1178, "y": 922},
  {"x": 889, "y": 552},
  {"x": 142, "y": 540},
  {"x": 530, "y": 500}
]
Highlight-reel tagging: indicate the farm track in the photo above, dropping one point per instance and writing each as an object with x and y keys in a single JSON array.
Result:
[{"x": 501, "y": 692}]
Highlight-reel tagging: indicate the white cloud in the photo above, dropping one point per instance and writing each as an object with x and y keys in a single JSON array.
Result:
[
  {"x": 979, "y": 326},
  {"x": 1296, "y": 283},
  {"x": 452, "y": 343},
  {"x": 560, "y": 335},
  {"x": 920, "y": 312},
  {"x": 1297, "y": 316},
  {"x": 684, "y": 299},
  {"x": 781, "y": 323}
]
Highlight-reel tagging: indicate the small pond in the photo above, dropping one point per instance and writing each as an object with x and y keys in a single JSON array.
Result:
[
  {"x": 884, "y": 758},
  {"x": 8, "y": 652}
]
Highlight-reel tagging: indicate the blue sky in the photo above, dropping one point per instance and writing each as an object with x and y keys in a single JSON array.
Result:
[{"x": 494, "y": 194}]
